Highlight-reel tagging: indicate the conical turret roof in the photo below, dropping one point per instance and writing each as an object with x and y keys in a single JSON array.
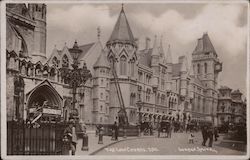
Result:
[{"x": 122, "y": 31}]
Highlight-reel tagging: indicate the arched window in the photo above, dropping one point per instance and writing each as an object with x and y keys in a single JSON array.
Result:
[
  {"x": 169, "y": 103},
  {"x": 222, "y": 108},
  {"x": 162, "y": 99},
  {"x": 101, "y": 108},
  {"x": 55, "y": 61},
  {"x": 198, "y": 68},
  {"x": 65, "y": 61},
  {"x": 158, "y": 98},
  {"x": 132, "y": 67},
  {"x": 52, "y": 74},
  {"x": 205, "y": 68},
  {"x": 38, "y": 71},
  {"x": 199, "y": 104},
  {"x": 132, "y": 99},
  {"x": 123, "y": 66}
]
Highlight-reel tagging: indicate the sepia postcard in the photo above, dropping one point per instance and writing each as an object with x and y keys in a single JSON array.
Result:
[{"x": 124, "y": 79}]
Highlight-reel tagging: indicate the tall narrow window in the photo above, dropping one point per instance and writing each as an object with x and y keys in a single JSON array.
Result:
[
  {"x": 55, "y": 61},
  {"x": 198, "y": 68},
  {"x": 132, "y": 67},
  {"x": 205, "y": 67},
  {"x": 65, "y": 61},
  {"x": 140, "y": 76},
  {"x": 162, "y": 99},
  {"x": 123, "y": 66}
]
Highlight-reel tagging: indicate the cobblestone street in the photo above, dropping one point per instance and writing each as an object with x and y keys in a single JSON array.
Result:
[{"x": 177, "y": 145}]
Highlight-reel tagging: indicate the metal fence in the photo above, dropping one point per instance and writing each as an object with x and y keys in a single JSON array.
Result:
[{"x": 27, "y": 139}]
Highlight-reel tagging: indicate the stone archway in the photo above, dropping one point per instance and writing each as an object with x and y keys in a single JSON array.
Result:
[{"x": 44, "y": 96}]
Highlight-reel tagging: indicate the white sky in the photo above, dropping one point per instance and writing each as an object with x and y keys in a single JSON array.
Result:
[{"x": 180, "y": 24}]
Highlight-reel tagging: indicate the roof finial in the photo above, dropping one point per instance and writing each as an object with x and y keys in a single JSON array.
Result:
[
  {"x": 122, "y": 6},
  {"x": 75, "y": 44},
  {"x": 98, "y": 32}
]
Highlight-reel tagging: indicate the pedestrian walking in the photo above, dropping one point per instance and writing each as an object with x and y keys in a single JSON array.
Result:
[
  {"x": 170, "y": 129},
  {"x": 204, "y": 135},
  {"x": 191, "y": 138},
  {"x": 116, "y": 128},
  {"x": 210, "y": 136},
  {"x": 216, "y": 135},
  {"x": 70, "y": 132}
]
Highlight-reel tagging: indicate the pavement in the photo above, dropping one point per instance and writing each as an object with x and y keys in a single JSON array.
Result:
[
  {"x": 152, "y": 145},
  {"x": 94, "y": 146},
  {"x": 177, "y": 145}
]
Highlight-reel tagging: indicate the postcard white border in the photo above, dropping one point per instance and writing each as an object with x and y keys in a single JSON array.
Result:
[{"x": 3, "y": 84}]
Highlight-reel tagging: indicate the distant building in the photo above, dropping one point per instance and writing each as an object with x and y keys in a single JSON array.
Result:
[
  {"x": 231, "y": 107},
  {"x": 149, "y": 76}
]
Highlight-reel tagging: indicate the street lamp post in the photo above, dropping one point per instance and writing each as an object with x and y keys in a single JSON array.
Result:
[{"x": 76, "y": 76}]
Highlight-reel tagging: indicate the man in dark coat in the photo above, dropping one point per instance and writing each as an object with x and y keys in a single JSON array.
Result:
[
  {"x": 204, "y": 135},
  {"x": 116, "y": 128},
  {"x": 71, "y": 134},
  {"x": 210, "y": 136},
  {"x": 215, "y": 133}
]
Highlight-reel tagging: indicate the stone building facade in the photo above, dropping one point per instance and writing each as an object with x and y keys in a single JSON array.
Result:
[
  {"x": 149, "y": 76},
  {"x": 231, "y": 107}
]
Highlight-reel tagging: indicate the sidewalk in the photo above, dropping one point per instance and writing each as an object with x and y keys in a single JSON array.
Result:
[{"x": 95, "y": 147}]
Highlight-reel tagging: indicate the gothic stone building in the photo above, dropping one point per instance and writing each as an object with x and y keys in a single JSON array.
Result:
[
  {"x": 149, "y": 76},
  {"x": 231, "y": 107}
]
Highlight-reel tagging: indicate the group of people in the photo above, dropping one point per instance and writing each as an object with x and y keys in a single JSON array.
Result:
[
  {"x": 114, "y": 128},
  {"x": 209, "y": 133}
]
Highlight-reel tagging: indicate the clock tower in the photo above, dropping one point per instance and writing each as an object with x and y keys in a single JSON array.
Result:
[{"x": 206, "y": 66}]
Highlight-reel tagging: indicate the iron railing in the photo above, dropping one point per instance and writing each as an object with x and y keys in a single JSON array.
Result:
[{"x": 29, "y": 139}]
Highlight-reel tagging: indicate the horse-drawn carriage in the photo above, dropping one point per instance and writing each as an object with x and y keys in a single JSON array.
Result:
[
  {"x": 147, "y": 128},
  {"x": 164, "y": 128}
]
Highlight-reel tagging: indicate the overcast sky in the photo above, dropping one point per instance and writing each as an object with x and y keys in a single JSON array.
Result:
[{"x": 179, "y": 24}]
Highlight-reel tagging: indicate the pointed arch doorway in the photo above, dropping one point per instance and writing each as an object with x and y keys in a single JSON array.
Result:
[{"x": 44, "y": 101}]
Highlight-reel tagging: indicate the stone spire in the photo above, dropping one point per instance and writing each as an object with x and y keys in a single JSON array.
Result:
[
  {"x": 122, "y": 31},
  {"x": 191, "y": 71},
  {"x": 155, "y": 51},
  {"x": 169, "y": 55},
  {"x": 184, "y": 67},
  {"x": 161, "y": 50}
]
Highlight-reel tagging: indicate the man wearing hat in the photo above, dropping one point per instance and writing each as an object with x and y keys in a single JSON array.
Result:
[{"x": 70, "y": 131}]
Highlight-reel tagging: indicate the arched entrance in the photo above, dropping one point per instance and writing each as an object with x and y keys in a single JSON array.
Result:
[{"x": 44, "y": 100}]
